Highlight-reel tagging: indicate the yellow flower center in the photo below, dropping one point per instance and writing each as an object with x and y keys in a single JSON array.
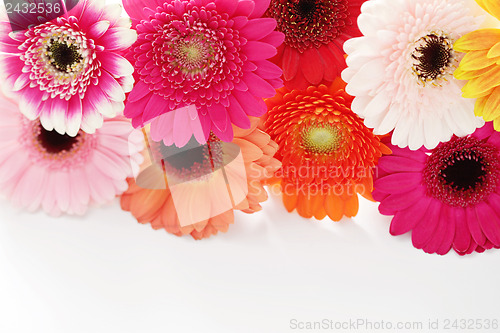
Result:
[{"x": 321, "y": 139}]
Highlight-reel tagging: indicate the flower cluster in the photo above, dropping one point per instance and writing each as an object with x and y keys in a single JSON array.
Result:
[{"x": 186, "y": 109}]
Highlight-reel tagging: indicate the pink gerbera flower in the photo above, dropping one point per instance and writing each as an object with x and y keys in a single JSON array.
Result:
[
  {"x": 60, "y": 173},
  {"x": 208, "y": 53},
  {"x": 449, "y": 197},
  {"x": 69, "y": 71}
]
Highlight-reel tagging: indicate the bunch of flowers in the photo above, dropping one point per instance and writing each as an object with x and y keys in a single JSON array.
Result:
[{"x": 186, "y": 109}]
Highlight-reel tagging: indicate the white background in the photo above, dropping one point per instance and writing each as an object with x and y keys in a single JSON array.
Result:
[{"x": 107, "y": 273}]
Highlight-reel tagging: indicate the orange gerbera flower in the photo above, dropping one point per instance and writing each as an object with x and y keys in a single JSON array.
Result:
[
  {"x": 328, "y": 154},
  {"x": 201, "y": 193}
]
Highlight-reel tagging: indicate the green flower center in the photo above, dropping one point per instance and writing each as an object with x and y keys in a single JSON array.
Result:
[{"x": 321, "y": 139}]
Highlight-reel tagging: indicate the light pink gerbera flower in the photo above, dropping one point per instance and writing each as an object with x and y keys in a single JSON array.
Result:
[
  {"x": 208, "y": 53},
  {"x": 60, "y": 173},
  {"x": 68, "y": 71}
]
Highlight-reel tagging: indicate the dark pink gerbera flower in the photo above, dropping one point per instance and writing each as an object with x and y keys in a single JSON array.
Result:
[
  {"x": 68, "y": 71},
  {"x": 208, "y": 53},
  {"x": 449, "y": 197}
]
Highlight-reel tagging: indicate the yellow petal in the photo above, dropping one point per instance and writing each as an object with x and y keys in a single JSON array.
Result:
[
  {"x": 479, "y": 106},
  {"x": 496, "y": 124},
  {"x": 482, "y": 39},
  {"x": 494, "y": 51},
  {"x": 468, "y": 75},
  {"x": 492, "y": 107},
  {"x": 475, "y": 60},
  {"x": 491, "y": 6},
  {"x": 479, "y": 86}
]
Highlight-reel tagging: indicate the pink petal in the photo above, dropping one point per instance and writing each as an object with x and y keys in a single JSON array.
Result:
[
  {"x": 407, "y": 219},
  {"x": 250, "y": 104},
  {"x": 98, "y": 29},
  {"x": 237, "y": 114},
  {"x": 258, "y": 51},
  {"x": 268, "y": 70},
  {"x": 244, "y": 8},
  {"x": 219, "y": 116},
  {"x": 489, "y": 221},
  {"x": 422, "y": 233},
  {"x": 260, "y": 8},
  {"x": 116, "y": 65},
  {"x": 449, "y": 233},
  {"x": 118, "y": 39},
  {"x": 474, "y": 227},
  {"x": 400, "y": 201},
  {"x": 258, "y": 28},
  {"x": 463, "y": 238},
  {"x": 258, "y": 86},
  {"x": 394, "y": 164},
  {"x": 398, "y": 182},
  {"x": 182, "y": 128}
]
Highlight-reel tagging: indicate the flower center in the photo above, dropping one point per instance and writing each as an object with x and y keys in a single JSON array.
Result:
[
  {"x": 64, "y": 57},
  {"x": 61, "y": 152},
  {"x": 306, "y": 8},
  {"x": 60, "y": 58},
  {"x": 310, "y": 23},
  {"x": 462, "y": 172},
  {"x": 321, "y": 140},
  {"x": 192, "y": 55},
  {"x": 433, "y": 57},
  {"x": 55, "y": 143}
]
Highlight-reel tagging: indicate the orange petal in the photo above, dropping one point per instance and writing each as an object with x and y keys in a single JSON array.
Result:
[
  {"x": 352, "y": 206},
  {"x": 334, "y": 207}
]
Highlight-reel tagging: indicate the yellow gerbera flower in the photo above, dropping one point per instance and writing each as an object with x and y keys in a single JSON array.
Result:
[{"x": 481, "y": 66}]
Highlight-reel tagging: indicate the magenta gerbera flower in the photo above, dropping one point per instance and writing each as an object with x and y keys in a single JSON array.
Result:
[
  {"x": 208, "y": 53},
  {"x": 69, "y": 71},
  {"x": 60, "y": 173},
  {"x": 449, "y": 197}
]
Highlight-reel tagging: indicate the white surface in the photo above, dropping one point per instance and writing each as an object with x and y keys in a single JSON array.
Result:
[{"x": 107, "y": 273}]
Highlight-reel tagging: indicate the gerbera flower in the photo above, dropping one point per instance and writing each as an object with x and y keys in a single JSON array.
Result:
[
  {"x": 196, "y": 190},
  {"x": 481, "y": 67},
  {"x": 212, "y": 54},
  {"x": 68, "y": 71},
  {"x": 401, "y": 71},
  {"x": 448, "y": 197},
  {"x": 328, "y": 154},
  {"x": 60, "y": 173},
  {"x": 315, "y": 32}
]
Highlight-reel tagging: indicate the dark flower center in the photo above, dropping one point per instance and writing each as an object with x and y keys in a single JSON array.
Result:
[
  {"x": 55, "y": 143},
  {"x": 465, "y": 173},
  {"x": 306, "y": 8},
  {"x": 432, "y": 57},
  {"x": 462, "y": 172},
  {"x": 63, "y": 56},
  {"x": 310, "y": 23}
]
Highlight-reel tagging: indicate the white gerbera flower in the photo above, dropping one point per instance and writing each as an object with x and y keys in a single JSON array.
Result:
[{"x": 401, "y": 70}]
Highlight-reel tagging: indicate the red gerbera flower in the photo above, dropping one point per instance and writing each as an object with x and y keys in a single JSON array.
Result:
[{"x": 315, "y": 32}]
